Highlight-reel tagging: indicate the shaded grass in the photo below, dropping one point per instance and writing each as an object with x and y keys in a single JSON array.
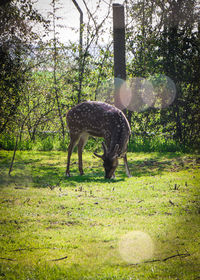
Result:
[{"x": 80, "y": 220}]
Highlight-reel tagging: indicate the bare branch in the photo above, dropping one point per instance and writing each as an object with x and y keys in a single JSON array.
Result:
[
  {"x": 7, "y": 259},
  {"x": 60, "y": 259},
  {"x": 165, "y": 259}
]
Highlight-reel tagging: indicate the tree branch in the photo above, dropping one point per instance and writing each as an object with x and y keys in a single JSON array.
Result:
[
  {"x": 165, "y": 259},
  {"x": 7, "y": 259},
  {"x": 60, "y": 259}
]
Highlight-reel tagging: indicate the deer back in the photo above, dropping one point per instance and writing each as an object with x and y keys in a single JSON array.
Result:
[{"x": 101, "y": 120}]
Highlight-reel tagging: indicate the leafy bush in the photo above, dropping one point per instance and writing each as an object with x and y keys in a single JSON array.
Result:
[
  {"x": 44, "y": 144},
  {"x": 7, "y": 142},
  {"x": 60, "y": 145},
  {"x": 137, "y": 144},
  {"x": 156, "y": 144}
]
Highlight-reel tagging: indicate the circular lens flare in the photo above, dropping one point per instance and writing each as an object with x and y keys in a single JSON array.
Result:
[
  {"x": 136, "y": 247},
  {"x": 137, "y": 94},
  {"x": 125, "y": 95},
  {"x": 147, "y": 93},
  {"x": 164, "y": 91}
]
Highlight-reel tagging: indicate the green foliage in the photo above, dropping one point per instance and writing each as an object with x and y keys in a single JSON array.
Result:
[
  {"x": 156, "y": 144},
  {"x": 56, "y": 77},
  {"x": 168, "y": 46},
  {"x": 15, "y": 41},
  {"x": 7, "y": 142},
  {"x": 55, "y": 143},
  {"x": 45, "y": 144},
  {"x": 60, "y": 145}
]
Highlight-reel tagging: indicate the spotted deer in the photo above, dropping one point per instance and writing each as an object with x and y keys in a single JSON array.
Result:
[{"x": 99, "y": 119}]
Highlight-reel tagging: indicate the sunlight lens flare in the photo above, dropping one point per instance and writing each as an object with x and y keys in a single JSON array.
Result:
[
  {"x": 164, "y": 91},
  {"x": 138, "y": 94},
  {"x": 136, "y": 247}
]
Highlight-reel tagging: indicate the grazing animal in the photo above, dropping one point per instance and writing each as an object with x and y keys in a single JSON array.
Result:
[{"x": 99, "y": 119}]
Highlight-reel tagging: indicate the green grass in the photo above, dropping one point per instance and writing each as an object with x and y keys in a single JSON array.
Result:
[{"x": 53, "y": 227}]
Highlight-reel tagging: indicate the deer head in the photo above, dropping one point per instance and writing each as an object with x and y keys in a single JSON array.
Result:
[{"x": 110, "y": 160}]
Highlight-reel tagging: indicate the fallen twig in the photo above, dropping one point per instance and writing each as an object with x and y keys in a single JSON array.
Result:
[
  {"x": 7, "y": 259},
  {"x": 60, "y": 259},
  {"x": 29, "y": 249},
  {"x": 165, "y": 259},
  {"x": 177, "y": 255}
]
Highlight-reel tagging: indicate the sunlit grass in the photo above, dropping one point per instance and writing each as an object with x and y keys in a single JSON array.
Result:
[{"x": 53, "y": 227}]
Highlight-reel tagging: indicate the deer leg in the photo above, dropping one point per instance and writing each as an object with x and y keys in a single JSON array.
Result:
[
  {"x": 126, "y": 166},
  {"x": 81, "y": 144},
  {"x": 72, "y": 144}
]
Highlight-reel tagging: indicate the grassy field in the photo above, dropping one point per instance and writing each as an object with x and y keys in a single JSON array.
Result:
[{"x": 144, "y": 227}]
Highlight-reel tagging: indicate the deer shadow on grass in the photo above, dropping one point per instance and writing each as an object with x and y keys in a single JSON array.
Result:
[
  {"x": 35, "y": 173},
  {"x": 59, "y": 179},
  {"x": 95, "y": 178},
  {"x": 49, "y": 176}
]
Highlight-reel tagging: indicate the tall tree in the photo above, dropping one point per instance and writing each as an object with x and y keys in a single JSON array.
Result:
[
  {"x": 167, "y": 43},
  {"x": 16, "y": 38}
]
